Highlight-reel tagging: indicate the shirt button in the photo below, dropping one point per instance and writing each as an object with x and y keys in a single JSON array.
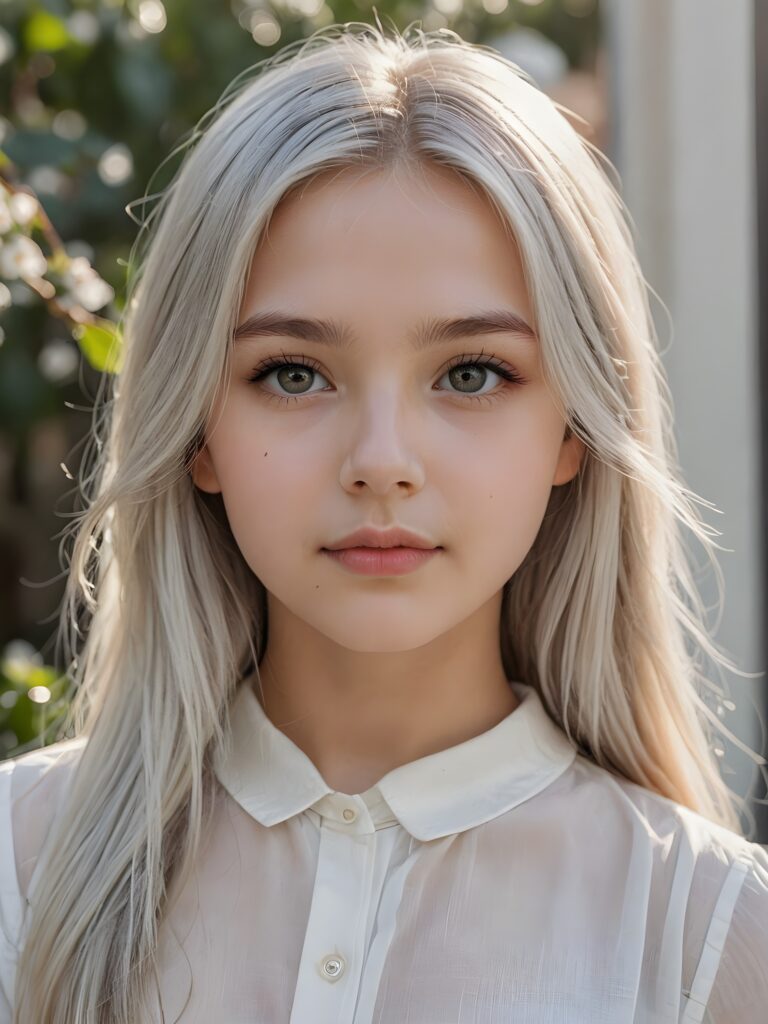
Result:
[
  {"x": 333, "y": 967},
  {"x": 349, "y": 814}
]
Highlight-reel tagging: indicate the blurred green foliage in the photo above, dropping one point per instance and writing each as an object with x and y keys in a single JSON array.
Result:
[
  {"x": 33, "y": 700},
  {"x": 93, "y": 98}
]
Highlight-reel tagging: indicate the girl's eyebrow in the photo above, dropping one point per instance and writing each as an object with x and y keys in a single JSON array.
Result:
[{"x": 428, "y": 332}]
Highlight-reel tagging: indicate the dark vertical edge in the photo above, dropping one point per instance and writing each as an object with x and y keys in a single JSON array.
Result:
[{"x": 760, "y": 14}]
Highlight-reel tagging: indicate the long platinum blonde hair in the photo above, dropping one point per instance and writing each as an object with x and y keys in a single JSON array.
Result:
[{"x": 162, "y": 615}]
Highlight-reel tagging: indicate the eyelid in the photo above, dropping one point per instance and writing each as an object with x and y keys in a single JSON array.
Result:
[
  {"x": 298, "y": 358},
  {"x": 495, "y": 362},
  {"x": 270, "y": 362}
]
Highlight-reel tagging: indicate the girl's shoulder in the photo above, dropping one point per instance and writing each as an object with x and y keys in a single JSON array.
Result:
[
  {"x": 705, "y": 883},
  {"x": 32, "y": 786},
  {"x": 33, "y": 776},
  {"x": 32, "y": 764},
  {"x": 664, "y": 821}
]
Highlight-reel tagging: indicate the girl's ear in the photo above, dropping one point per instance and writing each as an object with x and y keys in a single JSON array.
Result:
[
  {"x": 572, "y": 453},
  {"x": 204, "y": 473}
]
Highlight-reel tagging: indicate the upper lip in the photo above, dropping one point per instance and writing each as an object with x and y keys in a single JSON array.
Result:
[{"x": 368, "y": 537}]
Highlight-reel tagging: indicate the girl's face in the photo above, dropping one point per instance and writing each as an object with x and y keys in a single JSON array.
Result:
[{"x": 381, "y": 428}]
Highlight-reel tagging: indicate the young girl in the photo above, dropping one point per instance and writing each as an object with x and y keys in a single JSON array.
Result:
[{"x": 385, "y": 710}]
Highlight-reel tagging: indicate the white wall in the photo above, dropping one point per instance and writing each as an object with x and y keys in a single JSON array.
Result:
[{"x": 682, "y": 100}]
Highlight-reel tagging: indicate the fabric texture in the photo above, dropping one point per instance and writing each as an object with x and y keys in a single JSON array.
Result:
[{"x": 504, "y": 880}]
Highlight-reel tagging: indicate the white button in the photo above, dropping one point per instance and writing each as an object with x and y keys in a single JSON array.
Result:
[
  {"x": 349, "y": 814},
  {"x": 332, "y": 967}
]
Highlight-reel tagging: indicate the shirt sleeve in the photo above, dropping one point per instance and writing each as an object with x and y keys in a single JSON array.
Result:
[
  {"x": 731, "y": 981},
  {"x": 10, "y": 898}
]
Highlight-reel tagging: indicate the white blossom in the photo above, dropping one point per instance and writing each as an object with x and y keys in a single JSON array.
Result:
[
  {"x": 94, "y": 294},
  {"x": 78, "y": 270},
  {"x": 21, "y": 257},
  {"x": 23, "y": 207},
  {"x": 86, "y": 287}
]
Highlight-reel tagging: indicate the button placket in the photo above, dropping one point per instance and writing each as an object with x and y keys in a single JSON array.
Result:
[{"x": 332, "y": 957}]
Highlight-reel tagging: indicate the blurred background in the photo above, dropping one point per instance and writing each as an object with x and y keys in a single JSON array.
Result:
[{"x": 96, "y": 94}]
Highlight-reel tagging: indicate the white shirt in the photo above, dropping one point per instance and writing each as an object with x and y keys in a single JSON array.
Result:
[{"x": 504, "y": 880}]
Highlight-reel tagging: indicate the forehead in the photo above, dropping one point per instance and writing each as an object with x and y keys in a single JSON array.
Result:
[{"x": 386, "y": 241}]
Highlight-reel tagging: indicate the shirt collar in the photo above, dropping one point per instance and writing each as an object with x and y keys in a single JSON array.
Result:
[{"x": 443, "y": 793}]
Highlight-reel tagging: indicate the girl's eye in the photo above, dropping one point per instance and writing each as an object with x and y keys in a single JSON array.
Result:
[
  {"x": 469, "y": 374},
  {"x": 291, "y": 372},
  {"x": 466, "y": 372}
]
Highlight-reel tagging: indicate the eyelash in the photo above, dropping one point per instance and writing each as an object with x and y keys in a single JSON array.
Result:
[{"x": 266, "y": 366}]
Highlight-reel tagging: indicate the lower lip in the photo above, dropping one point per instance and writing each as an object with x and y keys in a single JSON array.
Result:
[{"x": 382, "y": 561}]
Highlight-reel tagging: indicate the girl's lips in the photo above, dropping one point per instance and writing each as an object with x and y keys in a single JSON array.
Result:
[{"x": 382, "y": 561}]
